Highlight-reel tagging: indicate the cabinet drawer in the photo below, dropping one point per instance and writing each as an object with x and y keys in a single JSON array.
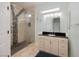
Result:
[
  {"x": 63, "y": 41},
  {"x": 63, "y": 53},
  {"x": 63, "y": 46}
]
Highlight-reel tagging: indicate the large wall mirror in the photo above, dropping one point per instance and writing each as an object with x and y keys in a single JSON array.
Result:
[
  {"x": 56, "y": 24},
  {"x": 51, "y": 22}
]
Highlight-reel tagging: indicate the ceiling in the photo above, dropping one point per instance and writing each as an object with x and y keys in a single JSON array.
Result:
[
  {"x": 43, "y": 5},
  {"x": 30, "y": 4}
]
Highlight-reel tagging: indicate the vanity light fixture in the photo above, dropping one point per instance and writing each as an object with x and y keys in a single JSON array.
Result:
[
  {"x": 48, "y": 15},
  {"x": 58, "y": 14},
  {"x": 50, "y": 10}
]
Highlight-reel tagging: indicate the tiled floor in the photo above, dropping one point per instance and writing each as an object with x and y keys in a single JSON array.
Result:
[
  {"x": 29, "y": 51},
  {"x": 45, "y": 54},
  {"x": 18, "y": 47}
]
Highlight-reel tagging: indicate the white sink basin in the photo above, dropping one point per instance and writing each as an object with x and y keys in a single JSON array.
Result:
[{"x": 51, "y": 35}]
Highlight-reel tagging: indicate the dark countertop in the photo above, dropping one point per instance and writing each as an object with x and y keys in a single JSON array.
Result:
[{"x": 53, "y": 36}]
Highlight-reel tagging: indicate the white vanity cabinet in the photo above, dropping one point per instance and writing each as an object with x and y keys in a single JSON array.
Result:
[{"x": 54, "y": 45}]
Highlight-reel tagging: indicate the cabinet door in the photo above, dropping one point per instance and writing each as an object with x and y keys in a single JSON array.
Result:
[
  {"x": 37, "y": 41},
  {"x": 41, "y": 43},
  {"x": 47, "y": 44},
  {"x": 54, "y": 46},
  {"x": 5, "y": 35}
]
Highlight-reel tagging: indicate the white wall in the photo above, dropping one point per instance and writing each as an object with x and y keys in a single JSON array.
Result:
[
  {"x": 5, "y": 38},
  {"x": 64, "y": 20},
  {"x": 74, "y": 30}
]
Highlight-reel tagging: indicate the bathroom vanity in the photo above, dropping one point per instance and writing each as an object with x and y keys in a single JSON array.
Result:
[{"x": 53, "y": 44}]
